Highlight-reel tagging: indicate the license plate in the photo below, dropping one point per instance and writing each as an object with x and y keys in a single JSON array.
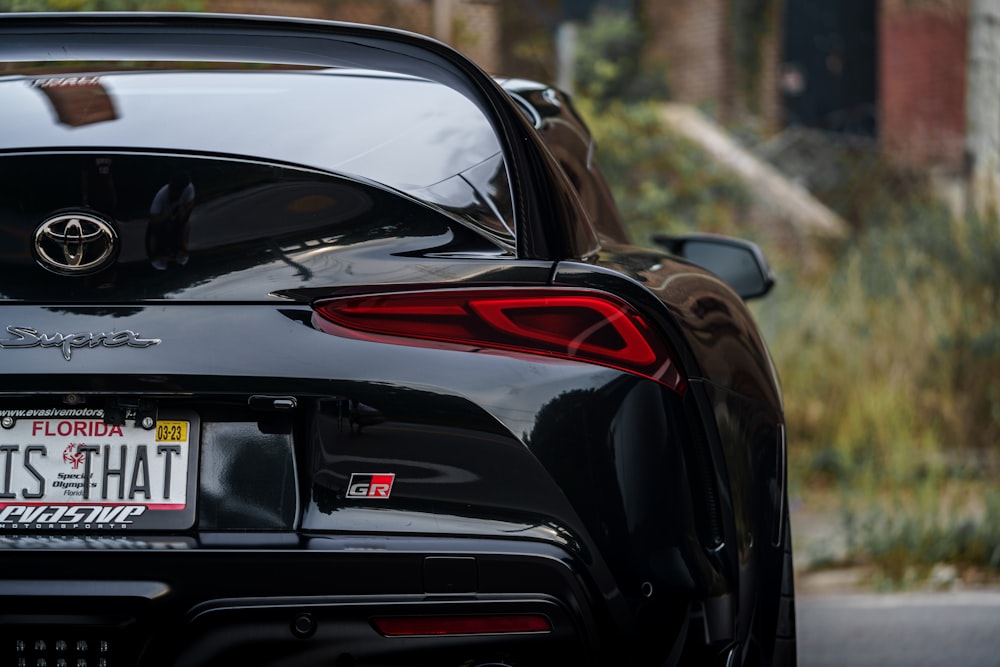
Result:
[{"x": 63, "y": 474}]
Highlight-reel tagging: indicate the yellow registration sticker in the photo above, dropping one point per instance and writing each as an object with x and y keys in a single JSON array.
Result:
[{"x": 171, "y": 431}]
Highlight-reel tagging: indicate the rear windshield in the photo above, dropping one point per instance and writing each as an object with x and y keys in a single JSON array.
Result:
[{"x": 409, "y": 134}]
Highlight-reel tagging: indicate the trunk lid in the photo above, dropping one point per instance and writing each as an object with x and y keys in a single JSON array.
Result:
[{"x": 127, "y": 227}]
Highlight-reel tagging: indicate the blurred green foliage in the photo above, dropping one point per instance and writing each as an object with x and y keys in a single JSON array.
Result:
[
  {"x": 889, "y": 358},
  {"x": 895, "y": 355},
  {"x": 891, "y": 373},
  {"x": 609, "y": 67},
  {"x": 909, "y": 537},
  {"x": 661, "y": 180}
]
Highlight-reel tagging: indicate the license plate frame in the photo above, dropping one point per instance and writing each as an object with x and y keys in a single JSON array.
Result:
[{"x": 41, "y": 454}]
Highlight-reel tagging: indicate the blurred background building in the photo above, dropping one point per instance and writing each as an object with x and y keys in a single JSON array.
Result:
[{"x": 893, "y": 70}]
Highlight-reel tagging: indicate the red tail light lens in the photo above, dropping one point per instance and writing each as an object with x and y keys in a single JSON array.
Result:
[
  {"x": 582, "y": 325},
  {"x": 409, "y": 626}
]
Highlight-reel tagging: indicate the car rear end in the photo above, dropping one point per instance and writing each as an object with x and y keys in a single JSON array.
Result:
[{"x": 283, "y": 384}]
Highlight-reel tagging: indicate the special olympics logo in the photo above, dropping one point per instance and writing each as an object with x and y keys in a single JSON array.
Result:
[{"x": 73, "y": 456}]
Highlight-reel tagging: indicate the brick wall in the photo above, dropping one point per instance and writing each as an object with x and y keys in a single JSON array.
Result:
[
  {"x": 477, "y": 32},
  {"x": 529, "y": 47},
  {"x": 923, "y": 49},
  {"x": 691, "y": 38},
  {"x": 695, "y": 40}
]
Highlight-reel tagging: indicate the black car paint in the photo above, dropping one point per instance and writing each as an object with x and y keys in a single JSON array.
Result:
[
  {"x": 249, "y": 228},
  {"x": 602, "y": 500}
]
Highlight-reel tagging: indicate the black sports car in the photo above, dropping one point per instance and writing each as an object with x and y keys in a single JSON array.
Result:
[{"x": 319, "y": 346}]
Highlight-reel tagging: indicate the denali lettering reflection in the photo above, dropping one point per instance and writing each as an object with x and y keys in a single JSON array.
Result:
[{"x": 28, "y": 337}]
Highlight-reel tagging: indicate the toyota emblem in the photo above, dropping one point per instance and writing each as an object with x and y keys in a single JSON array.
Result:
[{"x": 75, "y": 244}]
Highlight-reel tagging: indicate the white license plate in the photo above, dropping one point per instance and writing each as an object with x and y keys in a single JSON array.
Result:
[{"x": 59, "y": 474}]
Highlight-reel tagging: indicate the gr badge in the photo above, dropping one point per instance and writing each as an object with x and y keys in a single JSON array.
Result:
[{"x": 370, "y": 485}]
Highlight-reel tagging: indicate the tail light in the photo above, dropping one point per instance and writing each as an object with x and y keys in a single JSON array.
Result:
[
  {"x": 412, "y": 626},
  {"x": 582, "y": 325}
]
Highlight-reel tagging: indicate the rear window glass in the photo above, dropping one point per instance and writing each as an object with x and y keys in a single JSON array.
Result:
[{"x": 410, "y": 134}]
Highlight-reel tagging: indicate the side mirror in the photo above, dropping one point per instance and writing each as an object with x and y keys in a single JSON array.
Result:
[{"x": 738, "y": 262}]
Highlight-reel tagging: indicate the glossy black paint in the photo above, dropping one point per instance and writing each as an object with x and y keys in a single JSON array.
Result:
[
  {"x": 254, "y": 229},
  {"x": 646, "y": 524}
]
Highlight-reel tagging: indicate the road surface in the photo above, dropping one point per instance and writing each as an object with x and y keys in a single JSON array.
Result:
[{"x": 911, "y": 630}]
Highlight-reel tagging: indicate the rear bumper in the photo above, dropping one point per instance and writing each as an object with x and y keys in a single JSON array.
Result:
[
  {"x": 133, "y": 602},
  {"x": 576, "y": 490}
]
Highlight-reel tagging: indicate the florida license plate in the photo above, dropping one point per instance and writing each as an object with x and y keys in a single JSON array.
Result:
[{"x": 65, "y": 474}]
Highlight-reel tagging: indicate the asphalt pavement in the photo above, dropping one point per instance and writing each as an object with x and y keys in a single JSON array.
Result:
[{"x": 890, "y": 630}]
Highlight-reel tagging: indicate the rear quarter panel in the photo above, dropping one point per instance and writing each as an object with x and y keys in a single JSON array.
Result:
[{"x": 732, "y": 383}]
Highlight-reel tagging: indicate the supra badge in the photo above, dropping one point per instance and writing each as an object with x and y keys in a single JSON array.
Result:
[
  {"x": 370, "y": 485},
  {"x": 26, "y": 337}
]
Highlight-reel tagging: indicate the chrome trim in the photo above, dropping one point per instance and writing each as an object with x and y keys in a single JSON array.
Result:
[
  {"x": 75, "y": 244},
  {"x": 26, "y": 337}
]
